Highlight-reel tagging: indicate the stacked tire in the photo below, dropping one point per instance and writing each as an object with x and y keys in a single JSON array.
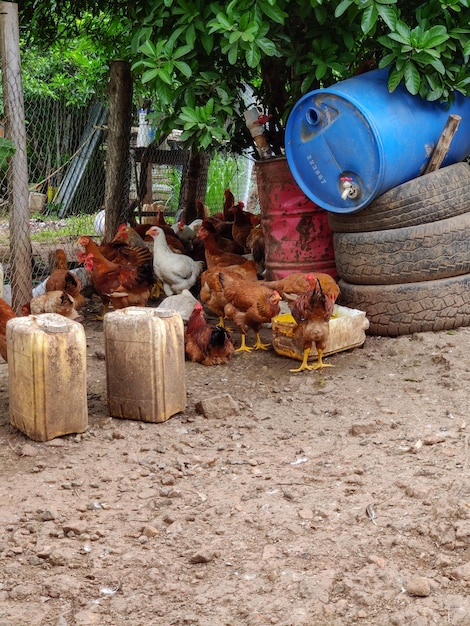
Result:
[{"x": 405, "y": 258}]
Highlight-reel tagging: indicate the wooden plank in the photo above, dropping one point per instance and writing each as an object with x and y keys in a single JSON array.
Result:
[{"x": 443, "y": 144}]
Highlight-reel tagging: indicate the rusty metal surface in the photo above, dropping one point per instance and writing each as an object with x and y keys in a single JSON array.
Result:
[{"x": 297, "y": 234}]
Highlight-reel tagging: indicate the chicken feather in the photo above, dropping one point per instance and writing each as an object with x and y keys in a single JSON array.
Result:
[
  {"x": 122, "y": 285},
  {"x": 295, "y": 284},
  {"x": 212, "y": 292},
  {"x": 249, "y": 306},
  {"x": 6, "y": 313},
  {"x": 206, "y": 344},
  {"x": 312, "y": 311},
  {"x": 175, "y": 271},
  {"x": 62, "y": 279}
]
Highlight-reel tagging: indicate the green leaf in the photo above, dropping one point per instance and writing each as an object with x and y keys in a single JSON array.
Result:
[
  {"x": 342, "y": 7},
  {"x": 223, "y": 22},
  {"x": 253, "y": 56},
  {"x": 434, "y": 94},
  {"x": 205, "y": 141},
  {"x": 320, "y": 71},
  {"x": 190, "y": 36},
  {"x": 432, "y": 81},
  {"x": 386, "y": 60},
  {"x": 273, "y": 11},
  {"x": 184, "y": 68},
  {"x": 306, "y": 84},
  {"x": 248, "y": 36},
  {"x": 166, "y": 94},
  {"x": 207, "y": 41},
  {"x": 182, "y": 51},
  {"x": 435, "y": 36},
  {"x": 369, "y": 18},
  {"x": 150, "y": 75},
  {"x": 384, "y": 40},
  {"x": 398, "y": 37},
  {"x": 400, "y": 64},
  {"x": 234, "y": 36},
  {"x": 394, "y": 79},
  {"x": 210, "y": 106},
  {"x": 425, "y": 57},
  {"x": 7, "y": 150},
  {"x": 189, "y": 115},
  {"x": 165, "y": 75},
  {"x": 438, "y": 66},
  {"x": 148, "y": 49},
  {"x": 388, "y": 15},
  {"x": 267, "y": 47},
  {"x": 233, "y": 54},
  {"x": 412, "y": 78},
  {"x": 321, "y": 15},
  {"x": 402, "y": 33},
  {"x": 173, "y": 38}
]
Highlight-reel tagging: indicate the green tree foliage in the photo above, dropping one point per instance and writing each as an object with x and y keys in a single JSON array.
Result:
[
  {"x": 203, "y": 62},
  {"x": 72, "y": 74}
]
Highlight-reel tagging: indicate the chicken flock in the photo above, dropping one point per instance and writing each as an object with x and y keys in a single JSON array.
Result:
[{"x": 212, "y": 266}]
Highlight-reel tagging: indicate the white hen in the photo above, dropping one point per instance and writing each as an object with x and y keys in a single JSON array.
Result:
[{"x": 175, "y": 271}]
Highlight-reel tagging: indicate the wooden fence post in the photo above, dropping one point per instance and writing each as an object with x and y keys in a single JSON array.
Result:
[{"x": 15, "y": 130}]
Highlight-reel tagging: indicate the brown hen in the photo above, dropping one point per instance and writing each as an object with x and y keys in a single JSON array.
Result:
[
  {"x": 206, "y": 344},
  {"x": 249, "y": 306},
  {"x": 57, "y": 301},
  {"x": 62, "y": 279},
  {"x": 312, "y": 311},
  {"x": 242, "y": 225},
  {"x": 295, "y": 284},
  {"x": 212, "y": 292},
  {"x": 214, "y": 254},
  {"x": 122, "y": 285}
]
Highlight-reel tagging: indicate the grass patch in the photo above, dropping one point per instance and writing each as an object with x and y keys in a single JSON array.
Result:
[{"x": 53, "y": 230}]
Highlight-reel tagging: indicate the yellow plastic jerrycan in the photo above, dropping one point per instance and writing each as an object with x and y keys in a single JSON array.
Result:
[
  {"x": 47, "y": 376},
  {"x": 145, "y": 371}
]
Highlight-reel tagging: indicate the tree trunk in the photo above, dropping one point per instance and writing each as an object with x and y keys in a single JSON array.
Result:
[
  {"x": 116, "y": 198},
  {"x": 195, "y": 184},
  {"x": 203, "y": 173},
  {"x": 275, "y": 102}
]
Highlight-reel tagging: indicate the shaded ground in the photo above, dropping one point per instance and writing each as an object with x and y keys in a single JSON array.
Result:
[{"x": 257, "y": 517}]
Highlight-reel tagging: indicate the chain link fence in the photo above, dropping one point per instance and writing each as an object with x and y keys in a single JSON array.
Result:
[{"x": 52, "y": 183}]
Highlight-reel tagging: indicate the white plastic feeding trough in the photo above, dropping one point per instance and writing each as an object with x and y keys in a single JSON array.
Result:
[{"x": 347, "y": 331}]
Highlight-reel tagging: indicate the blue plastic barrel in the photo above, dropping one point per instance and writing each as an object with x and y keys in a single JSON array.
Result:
[{"x": 353, "y": 141}]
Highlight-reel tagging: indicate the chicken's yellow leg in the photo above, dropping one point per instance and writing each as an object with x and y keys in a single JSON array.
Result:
[
  {"x": 260, "y": 346},
  {"x": 319, "y": 364},
  {"x": 224, "y": 324},
  {"x": 243, "y": 347},
  {"x": 304, "y": 365}
]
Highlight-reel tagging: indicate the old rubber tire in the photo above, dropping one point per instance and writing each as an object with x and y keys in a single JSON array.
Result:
[
  {"x": 404, "y": 309},
  {"x": 405, "y": 255},
  {"x": 434, "y": 196}
]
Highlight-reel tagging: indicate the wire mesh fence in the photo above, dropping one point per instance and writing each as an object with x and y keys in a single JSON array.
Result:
[{"x": 52, "y": 186}]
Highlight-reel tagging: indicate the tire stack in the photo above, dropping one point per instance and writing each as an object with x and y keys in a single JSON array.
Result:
[{"x": 405, "y": 258}]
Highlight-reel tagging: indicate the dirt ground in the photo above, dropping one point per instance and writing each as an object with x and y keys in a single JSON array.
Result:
[{"x": 328, "y": 498}]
